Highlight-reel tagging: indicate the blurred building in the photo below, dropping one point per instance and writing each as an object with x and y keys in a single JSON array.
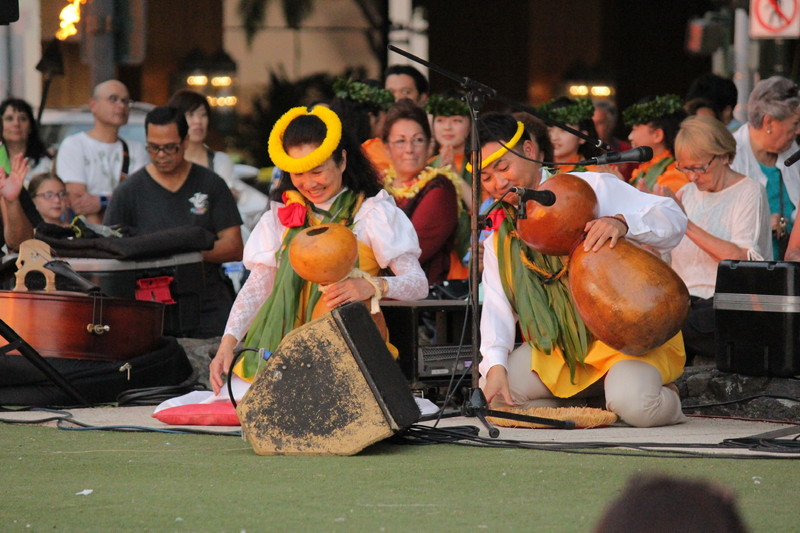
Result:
[{"x": 529, "y": 50}]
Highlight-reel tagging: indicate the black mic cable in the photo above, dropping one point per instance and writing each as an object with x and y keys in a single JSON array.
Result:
[{"x": 639, "y": 154}]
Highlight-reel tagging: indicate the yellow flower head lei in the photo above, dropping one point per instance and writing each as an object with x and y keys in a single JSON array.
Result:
[
  {"x": 502, "y": 150},
  {"x": 318, "y": 156}
]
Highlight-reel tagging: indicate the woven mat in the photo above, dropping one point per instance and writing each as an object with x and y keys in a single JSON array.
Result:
[{"x": 584, "y": 417}]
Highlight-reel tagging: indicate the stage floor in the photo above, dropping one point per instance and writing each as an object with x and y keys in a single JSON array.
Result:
[{"x": 699, "y": 434}]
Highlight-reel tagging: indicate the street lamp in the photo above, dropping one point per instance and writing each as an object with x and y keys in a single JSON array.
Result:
[{"x": 51, "y": 64}]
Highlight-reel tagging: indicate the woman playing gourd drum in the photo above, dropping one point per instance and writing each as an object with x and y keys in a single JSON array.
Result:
[{"x": 331, "y": 182}]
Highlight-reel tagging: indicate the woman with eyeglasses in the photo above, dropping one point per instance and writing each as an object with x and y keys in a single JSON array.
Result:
[
  {"x": 20, "y": 135},
  {"x": 728, "y": 219},
  {"x": 762, "y": 146},
  {"x": 50, "y": 198},
  {"x": 427, "y": 195}
]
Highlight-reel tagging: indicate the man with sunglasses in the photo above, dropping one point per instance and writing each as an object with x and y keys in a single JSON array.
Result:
[
  {"x": 92, "y": 163},
  {"x": 171, "y": 192}
]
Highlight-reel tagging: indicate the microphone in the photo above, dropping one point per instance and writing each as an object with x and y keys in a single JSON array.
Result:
[
  {"x": 636, "y": 155},
  {"x": 792, "y": 159},
  {"x": 543, "y": 197}
]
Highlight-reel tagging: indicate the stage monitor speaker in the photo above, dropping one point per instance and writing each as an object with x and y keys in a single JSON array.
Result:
[{"x": 330, "y": 388}]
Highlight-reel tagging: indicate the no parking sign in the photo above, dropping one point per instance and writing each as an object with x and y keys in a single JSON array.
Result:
[{"x": 774, "y": 19}]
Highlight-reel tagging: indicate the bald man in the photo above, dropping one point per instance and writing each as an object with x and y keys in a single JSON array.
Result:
[{"x": 93, "y": 163}]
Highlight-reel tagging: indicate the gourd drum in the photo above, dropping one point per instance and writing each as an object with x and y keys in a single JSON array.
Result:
[
  {"x": 553, "y": 229},
  {"x": 323, "y": 254},
  {"x": 629, "y": 298}
]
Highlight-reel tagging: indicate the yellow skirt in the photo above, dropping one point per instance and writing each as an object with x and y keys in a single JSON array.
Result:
[{"x": 669, "y": 359}]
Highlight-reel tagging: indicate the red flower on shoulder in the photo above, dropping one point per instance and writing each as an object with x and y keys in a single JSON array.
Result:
[
  {"x": 494, "y": 219},
  {"x": 293, "y": 214}
]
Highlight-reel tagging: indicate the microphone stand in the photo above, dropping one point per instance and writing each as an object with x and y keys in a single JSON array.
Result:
[
  {"x": 477, "y": 93},
  {"x": 469, "y": 84}
]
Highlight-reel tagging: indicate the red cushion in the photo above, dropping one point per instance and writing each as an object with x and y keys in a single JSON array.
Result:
[{"x": 210, "y": 414}]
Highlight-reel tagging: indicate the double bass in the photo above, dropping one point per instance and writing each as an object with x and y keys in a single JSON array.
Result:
[{"x": 76, "y": 325}]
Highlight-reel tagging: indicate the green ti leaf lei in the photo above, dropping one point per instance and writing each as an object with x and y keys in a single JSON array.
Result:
[
  {"x": 280, "y": 313},
  {"x": 569, "y": 114},
  {"x": 441, "y": 106},
  {"x": 647, "y": 112},
  {"x": 376, "y": 98},
  {"x": 546, "y": 311}
]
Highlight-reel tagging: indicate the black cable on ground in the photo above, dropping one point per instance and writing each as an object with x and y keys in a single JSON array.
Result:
[
  {"x": 64, "y": 418},
  {"x": 418, "y": 434},
  {"x": 156, "y": 395},
  {"x": 62, "y": 424},
  {"x": 740, "y": 400},
  {"x": 470, "y": 436}
]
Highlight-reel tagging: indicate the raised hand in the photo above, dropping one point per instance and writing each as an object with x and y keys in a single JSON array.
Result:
[{"x": 11, "y": 184}]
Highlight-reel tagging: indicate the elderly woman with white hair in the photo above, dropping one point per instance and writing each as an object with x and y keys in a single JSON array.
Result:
[{"x": 764, "y": 144}]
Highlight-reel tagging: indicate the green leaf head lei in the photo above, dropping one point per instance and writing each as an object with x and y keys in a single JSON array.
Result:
[
  {"x": 375, "y": 98},
  {"x": 647, "y": 112},
  {"x": 440, "y": 105},
  {"x": 568, "y": 111}
]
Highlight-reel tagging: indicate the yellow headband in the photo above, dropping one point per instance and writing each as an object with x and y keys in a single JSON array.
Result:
[
  {"x": 287, "y": 163},
  {"x": 502, "y": 150}
]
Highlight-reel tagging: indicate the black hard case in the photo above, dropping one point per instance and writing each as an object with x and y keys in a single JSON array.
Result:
[{"x": 757, "y": 315}]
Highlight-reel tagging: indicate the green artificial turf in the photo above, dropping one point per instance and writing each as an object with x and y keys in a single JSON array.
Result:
[{"x": 163, "y": 482}]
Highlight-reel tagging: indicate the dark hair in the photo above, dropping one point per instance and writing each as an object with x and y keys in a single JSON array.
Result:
[
  {"x": 693, "y": 105},
  {"x": 35, "y": 149},
  {"x": 39, "y": 179},
  {"x": 501, "y": 127},
  {"x": 420, "y": 81},
  {"x": 163, "y": 115},
  {"x": 355, "y": 118},
  {"x": 359, "y": 174},
  {"x": 586, "y": 150},
  {"x": 187, "y": 101},
  {"x": 662, "y": 504},
  {"x": 669, "y": 123},
  {"x": 537, "y": 132},
  {"x": 721, "y": 92},
  {"x": 497, "y": 127},
  {"x": 405, "y": 109}
]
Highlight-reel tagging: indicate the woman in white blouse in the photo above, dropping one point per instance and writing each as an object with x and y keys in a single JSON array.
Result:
[
  {"x": 330, "y": 181},
  {"x": 729, "y": 218}
]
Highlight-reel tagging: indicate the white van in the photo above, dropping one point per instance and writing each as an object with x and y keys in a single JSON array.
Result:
[{"x": 58, "y": 123}]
